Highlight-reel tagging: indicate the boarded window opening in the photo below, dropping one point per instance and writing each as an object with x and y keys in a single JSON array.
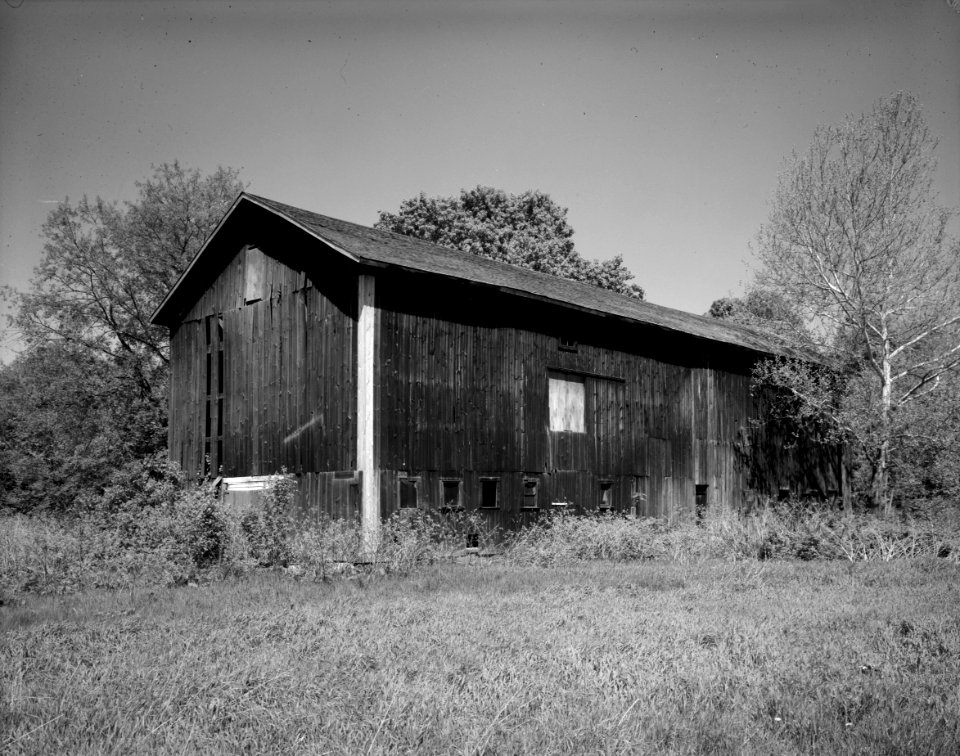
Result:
[
  {"x": 408, "y": 492},
  {"x": 450, "y": 495},
  {"x": 530, "y": 488},
  {"x": 701, "y": 502},
  {"x": 253, "y": 276},
  {"x": 490, "y": 493},
  {"x": 567, "y": 395},
  {"x": 606, "y": 495}
]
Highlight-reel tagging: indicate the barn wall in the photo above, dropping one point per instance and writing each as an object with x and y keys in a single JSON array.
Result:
[
  {"x": 462, "y": 378},
  {"x": 464, "y": 394},
  {"x": 282, "y": 394}
]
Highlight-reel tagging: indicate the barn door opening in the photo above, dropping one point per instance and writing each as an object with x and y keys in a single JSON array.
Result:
[{"x": 214, "y": 393}]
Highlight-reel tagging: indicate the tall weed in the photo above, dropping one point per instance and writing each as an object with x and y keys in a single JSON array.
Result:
[
  {"x": 269, "y": 527},
  {"x": 408, "y": 539},
  {"x": 781, "y": 531}
]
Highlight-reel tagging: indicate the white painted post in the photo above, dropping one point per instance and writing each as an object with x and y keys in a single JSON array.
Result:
[{"x": 366, "y": 460}]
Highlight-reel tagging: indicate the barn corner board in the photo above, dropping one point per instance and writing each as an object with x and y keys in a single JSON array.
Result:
[{"x": 387, "y": 373}]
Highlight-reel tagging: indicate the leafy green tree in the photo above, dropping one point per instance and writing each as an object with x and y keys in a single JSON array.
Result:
[
  {"x": 927, "y": 462},
  {"x": 89, "y": 391},
  {"x": 762, "y": 309},
  {"x": 67, "y": 419},
  {"x": 858, "y": 246},
  {"x": 528, "y": 230}
]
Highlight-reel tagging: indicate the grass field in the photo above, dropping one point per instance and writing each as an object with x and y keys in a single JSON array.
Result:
[{"x": 489, "y": 657}]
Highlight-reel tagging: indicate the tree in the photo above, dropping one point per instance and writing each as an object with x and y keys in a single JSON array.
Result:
[
  {"x": 68, "y": 419},
  {"x": 762, "y": 309},
  {"x": 105, "y": 268},
  {"x": 91, "y": 385},
  {"x": 857, "y": 244},
  {"x": 528, "y": 230}
]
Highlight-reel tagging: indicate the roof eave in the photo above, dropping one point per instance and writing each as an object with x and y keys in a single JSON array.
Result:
[{"x": 167, "y": 312}]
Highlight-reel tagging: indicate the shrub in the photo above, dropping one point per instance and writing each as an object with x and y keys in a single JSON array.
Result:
[
  {"x": 148, "y": 528},
  {"x": 156, "y": 514},
  {"x": 150, "y": 482},
  {"x": 269, "y": 526},
  {"x": 328, "y": 548}
]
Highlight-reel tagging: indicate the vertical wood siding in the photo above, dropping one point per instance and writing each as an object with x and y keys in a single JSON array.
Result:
[
  {"x": 464, "y": 390},
  {"x": 462, "y": 393},
  {"x": 289, "y": 371}
]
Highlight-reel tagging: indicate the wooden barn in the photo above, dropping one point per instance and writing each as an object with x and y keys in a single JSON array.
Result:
[{"x": 389, "y": 373}]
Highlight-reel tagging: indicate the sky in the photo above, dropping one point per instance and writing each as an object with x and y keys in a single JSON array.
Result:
[{"x": 661, "y": 126}]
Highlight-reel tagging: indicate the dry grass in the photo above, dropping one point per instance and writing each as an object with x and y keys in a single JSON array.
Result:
[{"x": 694, "y": 656}]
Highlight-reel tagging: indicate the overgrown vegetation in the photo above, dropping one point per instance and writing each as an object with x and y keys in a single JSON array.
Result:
[
  {"x": 783, "y": 531},
  {"x": 152, "y": 528}
]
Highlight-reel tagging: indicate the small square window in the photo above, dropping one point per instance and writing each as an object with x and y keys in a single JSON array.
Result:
[
  {"x": 566, "y": 344},
  {"x": 489, "y": 493},
  {"x": 701, "y": 501},
  {"x": 450, "y": 495},
  {"x": 606, "y": 495},
  {"x": 530, "y": 487},
  {"x": 408, "y": 492}
]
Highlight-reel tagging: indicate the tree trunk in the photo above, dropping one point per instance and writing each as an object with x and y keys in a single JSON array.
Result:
[{"x": 881, "y": 483}]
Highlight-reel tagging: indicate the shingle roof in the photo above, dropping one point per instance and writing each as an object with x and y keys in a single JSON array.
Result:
[{"x": 373, "y": 246}]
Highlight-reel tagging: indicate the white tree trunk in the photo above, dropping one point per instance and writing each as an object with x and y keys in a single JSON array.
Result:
[{"x": 881, "y": 494}]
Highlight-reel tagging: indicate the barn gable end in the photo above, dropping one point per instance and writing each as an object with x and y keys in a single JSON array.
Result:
[{"x": 262, "y": 363}]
